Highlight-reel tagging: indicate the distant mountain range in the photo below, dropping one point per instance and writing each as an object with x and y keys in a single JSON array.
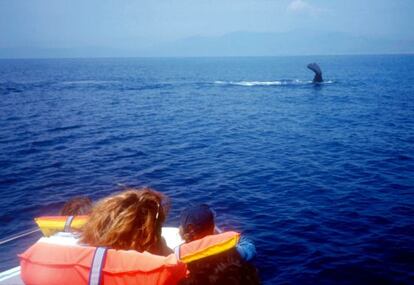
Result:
[
  {"x": 236, "y": 44},
  {"x": 294, "y": 43}
]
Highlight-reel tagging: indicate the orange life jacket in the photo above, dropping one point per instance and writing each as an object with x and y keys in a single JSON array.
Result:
[
  {"x": 52, "y": 263},
  {"x": 207, "y": 246},
  {"x": 50, "y": 225}
]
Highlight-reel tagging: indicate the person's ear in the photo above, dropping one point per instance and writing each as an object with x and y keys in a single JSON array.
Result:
[{"x": 188, "y": 233}]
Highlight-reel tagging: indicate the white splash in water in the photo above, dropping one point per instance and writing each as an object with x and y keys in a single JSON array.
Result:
[
  {"x": 269, "y": 83},
  {"x": 92, "y": 82}
]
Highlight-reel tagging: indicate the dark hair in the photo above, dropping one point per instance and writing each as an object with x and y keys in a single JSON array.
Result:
[
  {"x": 77, "y": 206},
  {"x": 224, "y": 268},
  {"x": 196, "y": 221}
]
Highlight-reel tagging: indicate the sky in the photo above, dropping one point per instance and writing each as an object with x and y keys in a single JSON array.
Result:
[{"x": 143, "y": 23}]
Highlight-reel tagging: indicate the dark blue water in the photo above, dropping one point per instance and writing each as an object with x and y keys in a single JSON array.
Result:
[{"x": 320, "y": 177}]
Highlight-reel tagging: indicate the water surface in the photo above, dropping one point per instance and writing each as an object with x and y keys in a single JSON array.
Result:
[{"x": 320, "y": 177}]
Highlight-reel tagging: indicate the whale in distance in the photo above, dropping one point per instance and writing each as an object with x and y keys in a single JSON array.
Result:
[{"x": 318, "y": 72}]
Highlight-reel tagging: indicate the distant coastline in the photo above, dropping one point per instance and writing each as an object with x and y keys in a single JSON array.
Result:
[{"x": 297, "y": 43}]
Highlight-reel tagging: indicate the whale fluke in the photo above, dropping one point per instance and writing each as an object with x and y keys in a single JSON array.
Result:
[{"x": 318, "y": 72}]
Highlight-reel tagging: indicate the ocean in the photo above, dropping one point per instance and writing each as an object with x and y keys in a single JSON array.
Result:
[{"x": 320, "y": 177}]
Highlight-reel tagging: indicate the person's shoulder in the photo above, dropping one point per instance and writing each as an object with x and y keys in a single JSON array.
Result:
[
  {"x": 246, "y": 248},
  {"x": 162, "y": 248}
]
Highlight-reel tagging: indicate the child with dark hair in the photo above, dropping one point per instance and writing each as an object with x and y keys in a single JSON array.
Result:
[
  {"x": 228, "y": 267},
  {"x": 197, "y": 221}
]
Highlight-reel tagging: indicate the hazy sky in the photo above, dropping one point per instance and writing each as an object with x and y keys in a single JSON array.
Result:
[{"x": 132, "y": 23}]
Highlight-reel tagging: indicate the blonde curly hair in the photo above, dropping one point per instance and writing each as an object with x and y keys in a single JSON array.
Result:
[{"x": 131, "y": 219}]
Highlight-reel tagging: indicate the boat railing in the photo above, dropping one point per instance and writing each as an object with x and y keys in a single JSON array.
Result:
[
  {"x": 18, "y": 235},
  {"x": 12, "y": 275}
]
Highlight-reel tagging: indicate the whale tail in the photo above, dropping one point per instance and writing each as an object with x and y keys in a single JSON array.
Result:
[{"x": 318, "y": 72}]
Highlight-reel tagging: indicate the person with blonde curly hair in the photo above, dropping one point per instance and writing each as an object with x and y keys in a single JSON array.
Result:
[{"x": 130, "y": 220}]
